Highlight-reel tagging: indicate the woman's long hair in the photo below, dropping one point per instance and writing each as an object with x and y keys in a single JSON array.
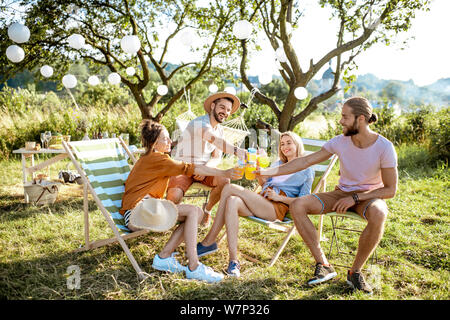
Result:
[
  {"x": 297, "y": 141},
  {"x": 150, "y": 132}
]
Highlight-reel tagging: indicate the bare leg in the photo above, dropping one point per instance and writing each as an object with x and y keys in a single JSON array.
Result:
[
  {"x": 175, "y": 195},
  {"x": 256, "y": 204},
  {"x": 370, "y": 237},
  {"x": 300, "y": 209},
  {"x": 235, "y": 205},
  {"x": 187, "y": 231},
  {"x": 214, "y": 197}
]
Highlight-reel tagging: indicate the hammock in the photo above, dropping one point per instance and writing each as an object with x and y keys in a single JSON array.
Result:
[
  {"x": 235, "y": 130},
  {"x": 183, "y": 119}
]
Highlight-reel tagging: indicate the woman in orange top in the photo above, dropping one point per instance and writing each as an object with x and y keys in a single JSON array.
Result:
[{"x": 149, "y": 177}]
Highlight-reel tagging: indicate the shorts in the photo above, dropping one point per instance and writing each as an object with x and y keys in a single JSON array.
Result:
[
  {"x": 280, "y": 208},
  {"x": 328, "y": 199},
  {"x": 183, "y": 182}
]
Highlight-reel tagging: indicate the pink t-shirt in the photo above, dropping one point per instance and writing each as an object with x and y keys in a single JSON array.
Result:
[{"x": 360, "y": 169}]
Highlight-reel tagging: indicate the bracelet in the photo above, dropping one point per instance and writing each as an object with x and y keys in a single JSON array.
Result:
[{"x": 355, "y": 198}]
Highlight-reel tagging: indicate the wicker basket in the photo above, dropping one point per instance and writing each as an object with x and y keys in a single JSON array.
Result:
[
  {"x": 44, "y": 192},
  {"x": 56, "y": 141}
]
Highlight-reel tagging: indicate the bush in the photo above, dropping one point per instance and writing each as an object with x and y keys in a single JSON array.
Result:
[{"x": 440, "y": 137}]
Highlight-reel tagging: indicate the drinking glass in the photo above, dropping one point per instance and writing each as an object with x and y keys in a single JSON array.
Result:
[
  {"x": 48, "y": 137},
  {"x": 43, "y": 139}
]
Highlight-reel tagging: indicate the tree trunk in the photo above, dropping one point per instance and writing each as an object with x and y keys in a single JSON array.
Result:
[{"x": 146, "y": 111}]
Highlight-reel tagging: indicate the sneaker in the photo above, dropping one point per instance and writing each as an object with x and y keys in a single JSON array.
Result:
[
  {"x": 169, "y": 264},
  {"x": 322, "y": 274},
  {"x": 234, "y": 269},
  {"x": 204, "y": 273},
  {"x": 203, "y": 251},
  {"x": 357, "y": 282}
]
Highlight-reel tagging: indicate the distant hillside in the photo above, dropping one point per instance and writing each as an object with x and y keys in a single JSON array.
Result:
[{"x": 403, "y": 93}]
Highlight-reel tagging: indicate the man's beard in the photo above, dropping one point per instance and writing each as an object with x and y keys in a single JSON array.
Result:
[
  {"x": 352, "y": 131},
  {"x": 216, "y": 116}
]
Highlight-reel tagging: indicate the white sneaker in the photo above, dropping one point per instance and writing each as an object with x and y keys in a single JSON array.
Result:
[
  {"x": 169, "y": 264},
  {"x": 204, "y": 273}
]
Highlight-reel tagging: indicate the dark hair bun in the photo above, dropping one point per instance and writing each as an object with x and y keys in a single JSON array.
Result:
[{"x": 373, "y": 118}]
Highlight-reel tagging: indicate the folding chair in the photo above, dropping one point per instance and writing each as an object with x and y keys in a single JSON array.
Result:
[
  {"x": 104, "y": 170},
  {"x": 337, "y": 223},
  {"x": 321, "y": 172}
]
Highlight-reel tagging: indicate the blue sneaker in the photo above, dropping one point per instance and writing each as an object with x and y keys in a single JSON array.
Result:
[
  {"x": 169, "y": 264},
  {"x": 234, "y": 269},
  {"x": 203, "y": 251},
  {"x": 204, "y": 273}
]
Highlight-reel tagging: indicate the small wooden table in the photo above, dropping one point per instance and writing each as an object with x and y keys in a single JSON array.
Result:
[{"x": 60, "y": 154}]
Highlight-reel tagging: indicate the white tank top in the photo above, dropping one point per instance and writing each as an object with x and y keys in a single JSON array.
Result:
[{"x": 191, "y": 147}]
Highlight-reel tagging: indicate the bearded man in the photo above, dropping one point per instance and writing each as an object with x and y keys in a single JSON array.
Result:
[
  {"x": 368, "y": 175},
  {"x": 202, "y": 143}
]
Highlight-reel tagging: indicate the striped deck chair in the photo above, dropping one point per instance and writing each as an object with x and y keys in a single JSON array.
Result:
[
  {"x": 321, "y": 172},
  {"x": 104, "y": 170}
]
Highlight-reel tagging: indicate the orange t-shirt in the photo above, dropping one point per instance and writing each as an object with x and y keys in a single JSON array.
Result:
[{"x": 150, "y": 175}]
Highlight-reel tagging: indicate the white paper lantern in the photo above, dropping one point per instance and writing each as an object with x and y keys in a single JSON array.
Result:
[
  {"x": 300, "y": 93},
  {"x": 162, "y": 90},
  {"x": 69, "y": 81},
  {"x": 114, "y": 78},
  {"x": 130, "y": 71},
  {"x": 230, "y": 90},
  {"x": 265, "y": 78},
  {"x": 93, "y": 80},
  {"x": 281, "y": 55},
  {"x": 242, "y": 29},
  {"x": 18, "y": 32},
  {"x": 188, "y": 37},
  {"x": 76, "y": 41},
  {"x": 213, "y": 88},
  {"x": 15, "y": 53},
  {"x": 130, "y": 44},
  {"x": 46, "y": 71}
]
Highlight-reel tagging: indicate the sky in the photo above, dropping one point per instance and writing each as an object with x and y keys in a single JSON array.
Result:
[{"x": 424, "y": 60}]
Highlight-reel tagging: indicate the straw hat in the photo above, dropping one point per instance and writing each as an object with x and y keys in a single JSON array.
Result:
[
  {"x": 218, "y": 95},
  {"x": 154, "y": 214}
]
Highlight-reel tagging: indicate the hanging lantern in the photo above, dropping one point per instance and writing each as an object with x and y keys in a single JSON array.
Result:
[
  {"x": 242, "y": 29},
  {"x": 114, "y": 78},
  {"x": 281, "y": 55},
  {"x": 18, "y": 32},
  {"x": 76, "y": 41},
  {"x": 265, "y": 78},
  {"x": 130, "y": 44},
  {"x": 213, "y": 88},
  {"x": 46, "y": 71},
  {"x": 162, "y": 90},
  {"x": 230, "y": 90},
  {"x": 93, "y": 80},
  {"x": 130, "y": 71},
  {"x": 300, "y": 93},
  {"x": 69, "y": 81},
  {"x": 15, "y": 53},
  {"x": 188, "y": 37}
]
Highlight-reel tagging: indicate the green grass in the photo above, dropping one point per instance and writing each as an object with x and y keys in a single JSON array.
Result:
[{"x": 37, "y": 246}]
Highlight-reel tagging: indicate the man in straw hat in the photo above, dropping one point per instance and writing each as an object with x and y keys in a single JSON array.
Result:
[
  {"x": 202, "y": 143},
  {"x": 368, "y": 175}
]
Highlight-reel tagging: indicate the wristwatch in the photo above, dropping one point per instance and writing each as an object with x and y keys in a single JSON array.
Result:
[{"x": 235, "y": 150}]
